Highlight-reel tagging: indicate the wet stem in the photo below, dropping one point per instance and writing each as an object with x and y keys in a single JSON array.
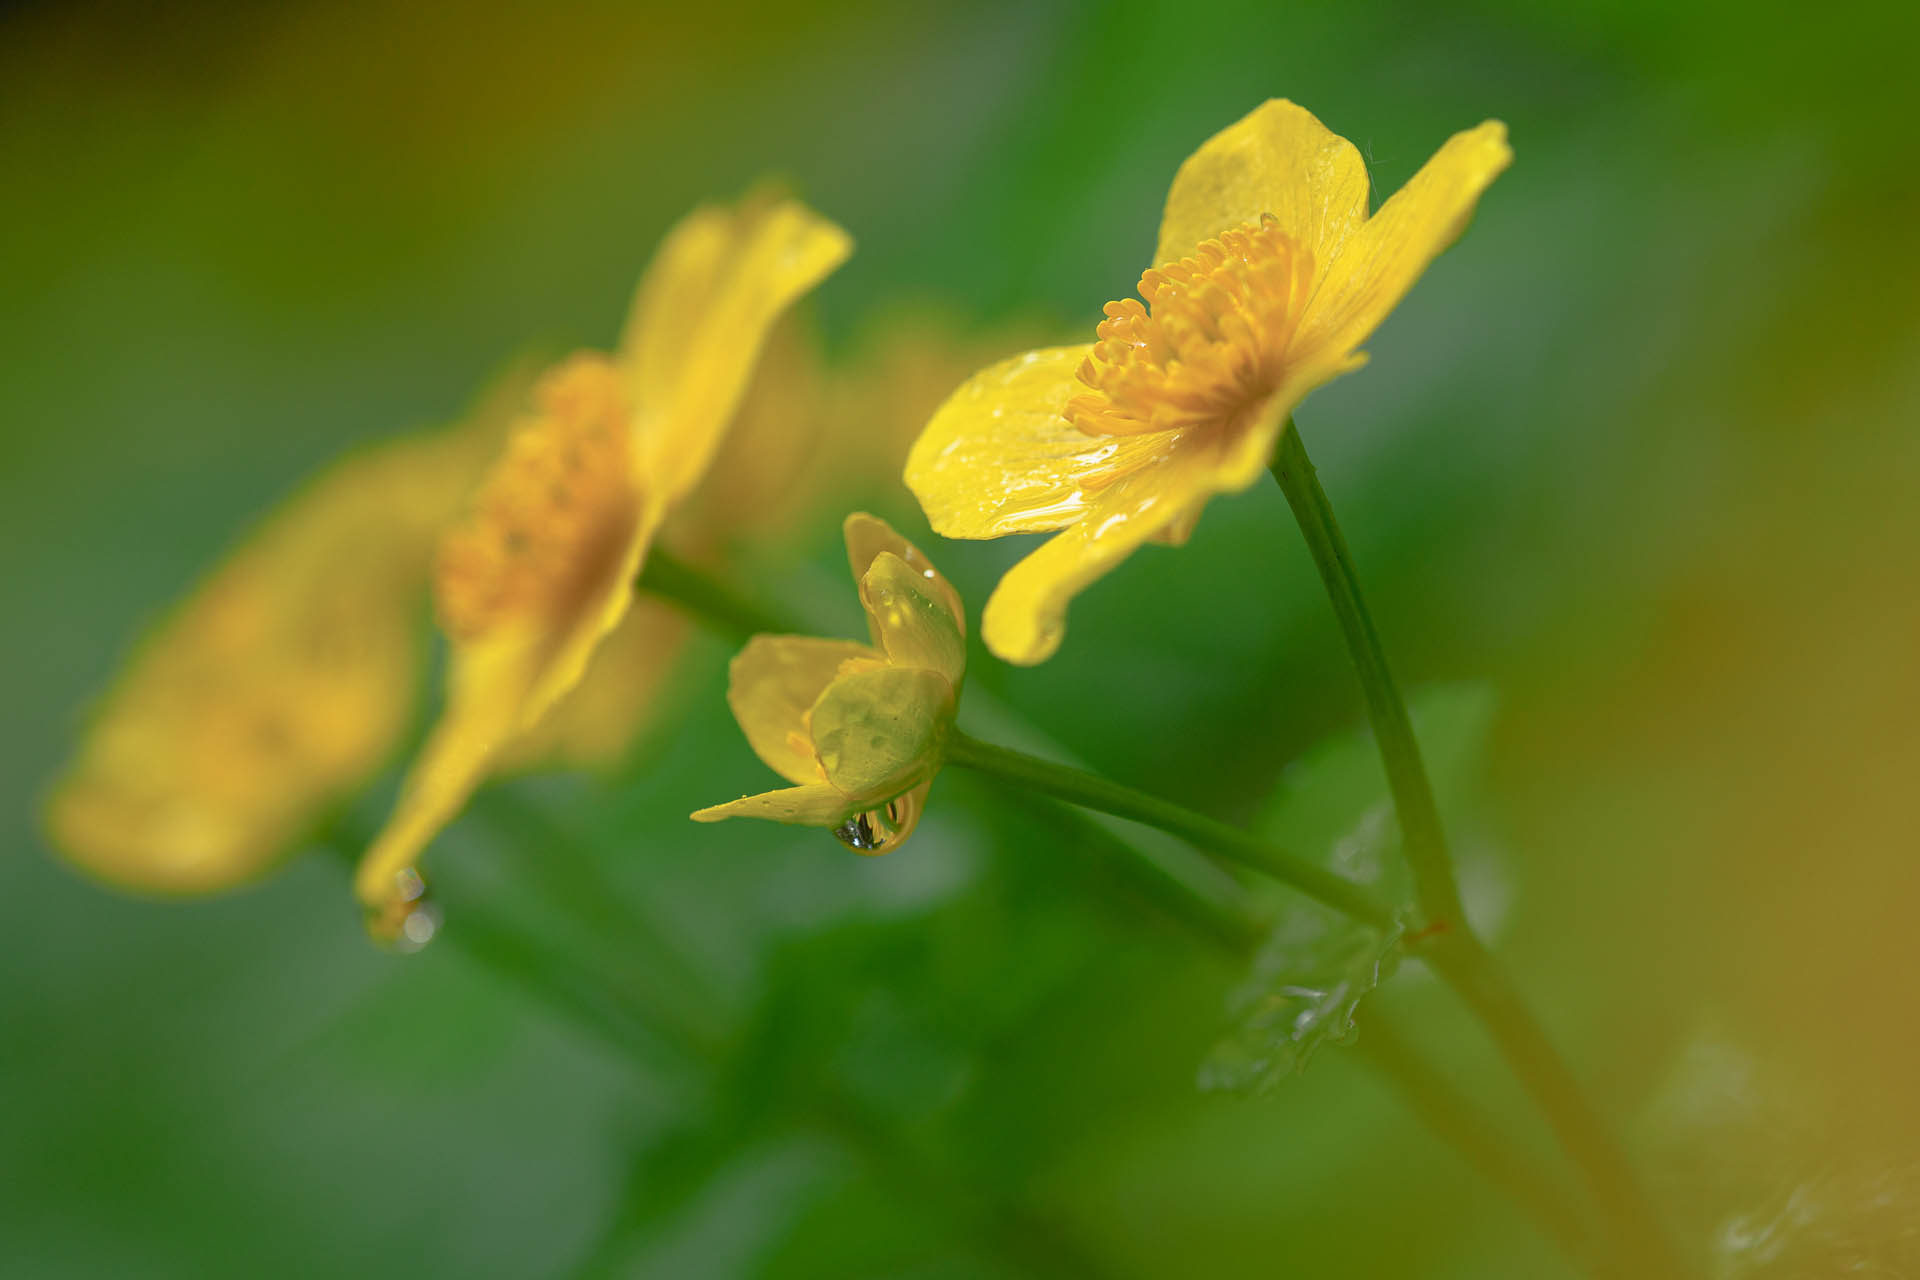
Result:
[
  {"x": 1454, "y": 952},
  {"x": 1218, "y": 908},
  {"x": 1090, "y": 791},
  {"x": 1439, "y": 1106}
]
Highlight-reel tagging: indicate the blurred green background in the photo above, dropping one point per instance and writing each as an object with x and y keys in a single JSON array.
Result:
[{"x": 1640, "y": 452}]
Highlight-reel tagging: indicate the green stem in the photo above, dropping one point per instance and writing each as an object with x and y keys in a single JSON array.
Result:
[
  {"x": 539, "y": 969},
  {"x": 1423, "y": 836},
  {"x": 1076, "y": 786},
  {"x": 1450, "y": 1115},
  {"x": 1455, "y": 953},
  {"x": 1466, "y": 965},
  {"x": 707, "y": 599},
  {"x": 1457, "y": 1121},
  {"x": 1184, "y": 882},
  {"x": 1215, "y": 903},
  {"x": 651, "y": 973}
]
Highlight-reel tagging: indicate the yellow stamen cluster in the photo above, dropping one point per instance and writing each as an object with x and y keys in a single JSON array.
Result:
[
  {"x": 1208, "y": 342},
  {"x": 553, "y": 512}
]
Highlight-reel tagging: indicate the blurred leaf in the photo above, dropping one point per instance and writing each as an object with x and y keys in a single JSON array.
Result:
[
  {"x": 1324, "y": 796},
  {"x": 1306, "y": 987},
  {"x": 1316, "y": 966}
]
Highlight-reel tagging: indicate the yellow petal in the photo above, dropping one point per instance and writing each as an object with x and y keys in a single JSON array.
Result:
[
  {"x": 878, "y": 732},
  {"x": 488, "y": 686},
  {"x": 528, "y": 585},
  {"x": 776, "y": 467},
  {"x": 999, "y": 457},
  {"x": 702, "y": 314},
  {"x": 546, "y": 559},
  {"x": 770, "y": 686},
  {"x": 814, "y": 805},
  {"x": 908, "y": 620},
  {"x": 867, "y": 536},
  {"x": 1025, "y": 619},
  {"x": 594, "y": 725},
  {"x": 1383, "y": 259},
  {"x": 901, "y": 366},
  {"x": 676, "y": 288},
  {"x": 283, "y": 682},
  {"x": 1278, "y": 159}
]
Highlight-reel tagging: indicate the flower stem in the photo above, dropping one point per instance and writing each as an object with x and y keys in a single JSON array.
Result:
[
  {"x": 1089, "y": 790},
  {"x": 1447, "y": 1112},
  {"x": 1455, "y": 953},
  {"x": 707, "y": 599},
  {"x": 1424, "y": 838},
  {"x": 1463, "y": 1125},
  {"x": 1215, "y": 903},
  {"x": 1182, "y": 880},
  {"x": 651, "y": 973},
  {"x": 555, "y": 979},
  {"x": 1465, "y": 964}
]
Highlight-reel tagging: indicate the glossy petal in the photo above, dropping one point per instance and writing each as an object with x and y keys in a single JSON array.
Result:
[
  {"x": 488, "y": 688},
  {"x": 814, "y": 805},
  {"x": 773, "y": 682},
  {"x": 1278, "y": 159},
  {"x": 878, "y": 732},
  {"x": 999, "y": 457},
  {"x": 701, "y": 317},
  {"x": 867, "y": 536},
  {"x": 1383, "y": 259},
  {"x": 1025, "y": 619},
  {"x": 910, "y": 621}
]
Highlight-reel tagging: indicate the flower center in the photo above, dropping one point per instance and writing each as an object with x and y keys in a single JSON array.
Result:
[
  {"x": 1209, "y": 340},
  {"x": 551, "y": 513}
]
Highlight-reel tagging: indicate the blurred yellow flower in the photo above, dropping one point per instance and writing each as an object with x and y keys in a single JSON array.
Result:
[
  {"x": 905, "y": 362},
  {"x": 1270, "y": 276},
  {"x": 807, "y": 432},
  {"x": 810, "y": 431},
  {"x": 282, "y": 684},
  {"x": 542, "y": 568},
  {"x": 755, "y": 486},
  {"x": 860, "y": 729}
]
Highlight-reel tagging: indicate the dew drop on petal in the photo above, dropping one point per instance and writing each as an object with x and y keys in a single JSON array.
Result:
[
  {"x": 409, "y": 919},
  {"x": 879, "y": 830}
]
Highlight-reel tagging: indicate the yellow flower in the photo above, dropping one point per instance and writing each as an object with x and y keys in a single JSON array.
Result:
[
  {"x": 282, "y": 684},
  {"x": 542, "y": 569},
  {"x": 1271, "y": 275},
  {"x": 805, "y": 431},
  {"x": 751, "y": 490},
  {"x": 860, "y": 729}
]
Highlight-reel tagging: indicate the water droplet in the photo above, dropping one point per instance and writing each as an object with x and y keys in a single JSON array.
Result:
[
  {"x": 408, "y": 920},
  {"x": 880, "y": 830}
]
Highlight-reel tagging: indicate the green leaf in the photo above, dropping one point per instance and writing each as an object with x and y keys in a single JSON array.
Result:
[
  {"x": 1316, "y": 967},
  {"x": 1305, "y": 989},
  {"x": 1325, "y": 795}
]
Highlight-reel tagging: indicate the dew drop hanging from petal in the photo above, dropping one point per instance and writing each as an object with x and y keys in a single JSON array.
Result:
[
  {"x": 880, "y": 830},
  {"x": 409, "y": 919}
]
